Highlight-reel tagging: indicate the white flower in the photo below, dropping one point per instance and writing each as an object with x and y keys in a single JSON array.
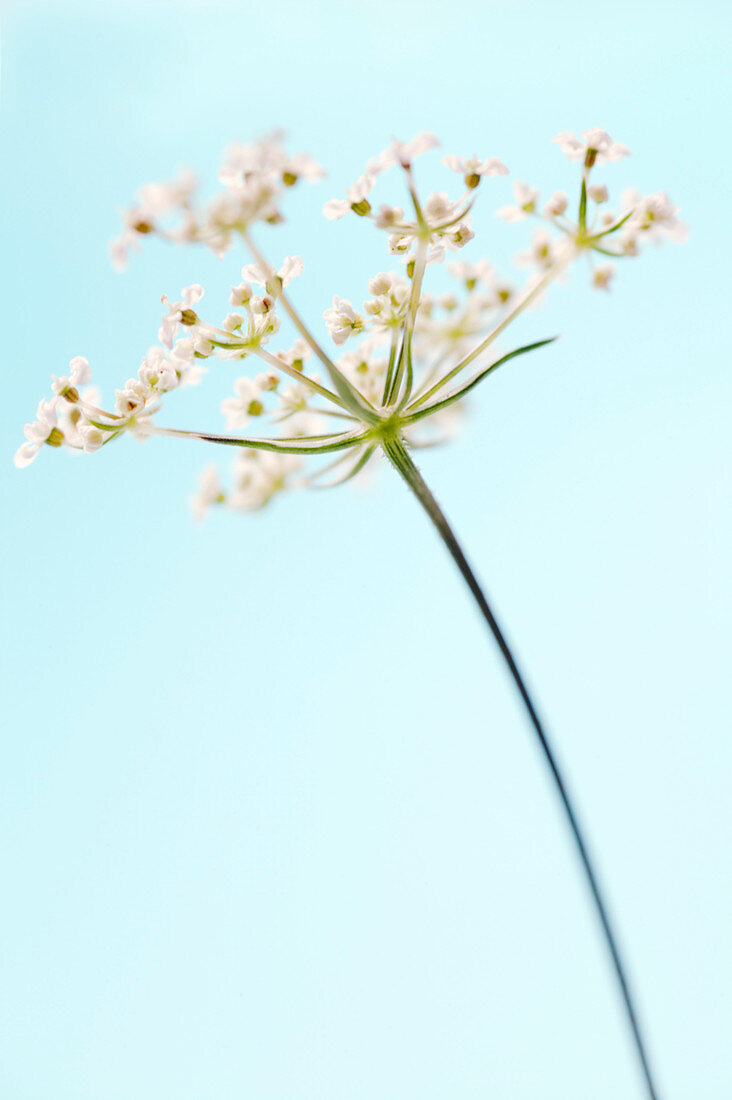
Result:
[
  {"x": 472, "y": 274},
  {"x": 454, "y": 237},
  {"x": 365, "y": 371},
  {"x": 439, "y": 208},
  {"x": 157, "y": 371},
  {"x": 653, "y": 216},
  {"x": 232, "y": 322},
  {"x": 602, "y": 276},
  {"x": 302, "y": 166},
  {"x": 259, "y": 475},
  {"x": 388, "y": 216},
  {"x": 526, "y": 200},
  {"x": 254, "y": 198},
  {"x": 154, "y": 201},
  {"x": 268, "y": 160},
  {"x": 403, "y": 152},
  {"x": 473, "y": 168},
  {"x": 119, "y": 249},
  {"x": 296, "y": 356},
  {"x": 400, "y": 243},
  {"x": 597, "y": 147},
  {"x": 241, "y": 294},
  {"x": 556, "y": 206},
  {"x": 159, "y": 198},
  {"x": 42, "y": 430},
  {"x": 254, "y": 273},
  {"x": 79, "y": 374},
  {"x": 183, "y": 360},
  {"x": 356, "y": 199},
  {"x": 72, "y": 415},
  {"x": 388, "y": 308},
  {"x": 382, "y": 283},
  {"x": 342, "y": 320},
  {"x": 209, "y": 492},
  {"x": 92, "y": 438},
  {"x": 238, "y": 410},
  {"x": 598, "y": 193},
  {"x": 294, "y": 398},
  {"x": 269, "y": 381},
  {"x": 134, "y": 398},
  {"x": 179, "y": 313},
  {"x": 542, "y": 252}
]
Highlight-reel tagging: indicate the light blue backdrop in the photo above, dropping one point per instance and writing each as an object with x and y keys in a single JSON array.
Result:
[{"x": 244, "y": 857}]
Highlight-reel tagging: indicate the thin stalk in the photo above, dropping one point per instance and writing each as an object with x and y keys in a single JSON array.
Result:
[
  {"x": 299, "y": 376},
  {"x": 295, "y": 445},
  {"x": 397, "y": 454},
  {"x": 390, "y": 367},
  {"x": 352, "y": 398},
  {"x": 405, "y": 354},
  {"x": 526, "y": 299}
]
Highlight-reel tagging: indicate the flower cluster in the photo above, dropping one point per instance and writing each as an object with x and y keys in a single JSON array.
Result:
[
  {"x": 406, "y": 368},
  {"x": 597, "y": 229},
  {"x": 254, "y": 178},
  {"x": 440, "y": 221}
]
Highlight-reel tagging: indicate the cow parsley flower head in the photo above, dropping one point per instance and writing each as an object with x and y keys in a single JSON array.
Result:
[
  {"x": 405, "y": 356},
  {"x": 254, "y": 177},
  {"x": 414, "y": 352}
]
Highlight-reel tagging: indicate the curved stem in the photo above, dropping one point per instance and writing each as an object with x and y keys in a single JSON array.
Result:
[{"x": 400, "y": 459}]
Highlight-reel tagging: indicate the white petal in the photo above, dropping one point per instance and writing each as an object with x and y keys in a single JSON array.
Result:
[
  {"x": 335, "y": 209},
  {"x": 291, "y": 268},
  {"x": 80, "y": 371},
  {"x": 192, "y": 294},
  {"x": 25, "y": 454},
  {"x": 494, "y": 167},
  {"x": 253, "y": 273}
]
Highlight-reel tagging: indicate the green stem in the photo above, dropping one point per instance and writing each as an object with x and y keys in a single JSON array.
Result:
[
  {"x": 405, "y": 354},
  {"x": 299, "y": 376},
  {"x": 351, "y": 398},
  {"x": 397, "y": 454},
  {"x": 295, "y": 445},
  {"x": 568, "y": 254}
]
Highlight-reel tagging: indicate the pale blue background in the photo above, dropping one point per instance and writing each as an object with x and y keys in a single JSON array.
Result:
[{"x": 273, "y": 825}]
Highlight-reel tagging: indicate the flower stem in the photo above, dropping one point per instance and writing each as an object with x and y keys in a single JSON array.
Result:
[
  {"x": 397, "y": 454},
  {"x": 351, "y": 397},
  {"x": 568, "y": 254}
]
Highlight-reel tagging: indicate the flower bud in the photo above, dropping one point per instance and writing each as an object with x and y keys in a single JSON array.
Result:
[
  {"x": 380, "y": 284},
  {"x": 598, "y": 192},
  {"x": 270, "y": 381},
  {"x": 557, "y": 205}
]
